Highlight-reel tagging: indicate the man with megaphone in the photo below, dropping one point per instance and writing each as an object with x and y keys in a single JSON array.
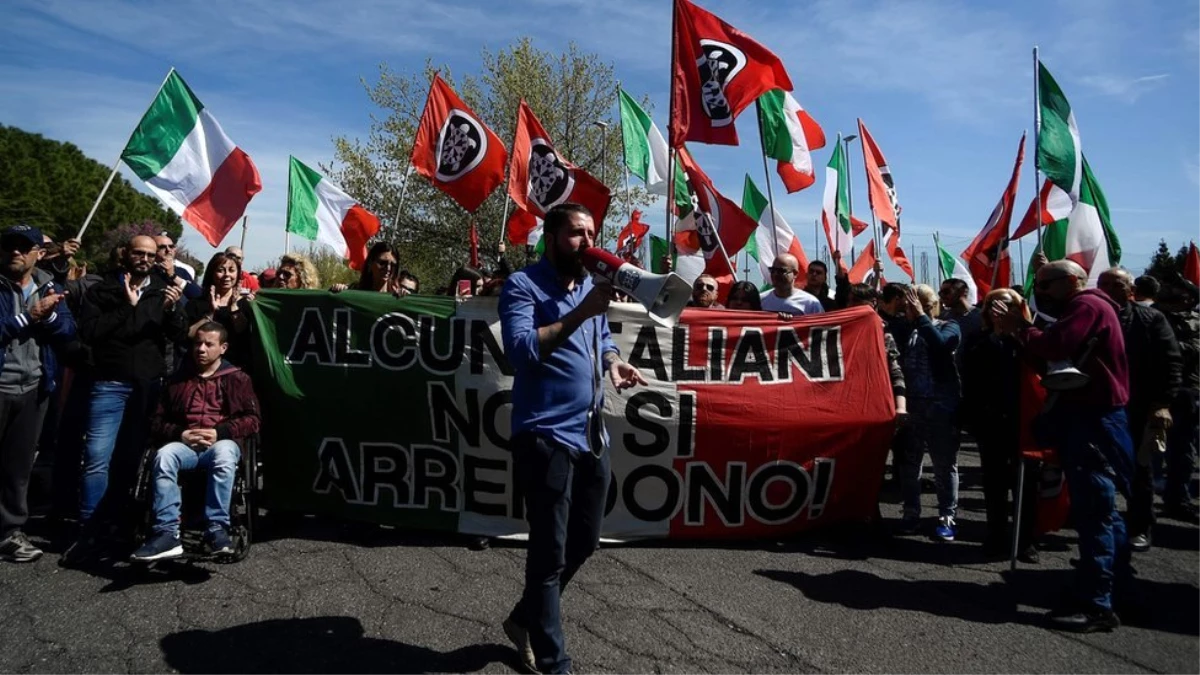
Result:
[{"x": 556, "y": 336}]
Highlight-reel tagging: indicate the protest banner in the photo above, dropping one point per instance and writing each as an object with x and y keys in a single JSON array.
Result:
[{"x": 397, "y": 411}]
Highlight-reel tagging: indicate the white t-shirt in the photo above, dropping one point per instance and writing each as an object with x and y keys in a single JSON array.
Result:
[{"x": 800, "y": 302}]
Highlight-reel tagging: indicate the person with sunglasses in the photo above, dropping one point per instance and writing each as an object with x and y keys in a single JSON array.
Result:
[
  {"x": 164, "y": 255},
  {"x": 295, "y": 272},
  {"x": 784, "y": 297},
  {"x": 704, "y": 293},
  {"x": 33, "y": 324},
  {"x": 1088, "y": 426},
  {"x": 378, "y": 272},
  {"x": 127, "y": 319}
]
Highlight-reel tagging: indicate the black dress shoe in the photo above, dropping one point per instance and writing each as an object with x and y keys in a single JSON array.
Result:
[{"x": 1084, "y": 621}]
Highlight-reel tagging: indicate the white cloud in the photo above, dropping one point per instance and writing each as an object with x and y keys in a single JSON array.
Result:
[{"x": 1126, "y": 89}]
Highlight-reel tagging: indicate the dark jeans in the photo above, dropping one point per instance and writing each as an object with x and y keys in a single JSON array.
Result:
[
  {"x": 118, "y": 423},
  {"x": 1182, "y": 444},
  {"x": 1097, "y": 456},
  {"x": 564, "y": 495},
  {"x": 999, "y": 456},
  {"x": 20, "y": 423}
]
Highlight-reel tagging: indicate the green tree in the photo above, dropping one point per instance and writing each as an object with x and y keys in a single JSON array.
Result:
[
  {"x": 569, "y": 92},
  {"x": 1165, "y": 266},
  {"x": 52, "y": 185}
]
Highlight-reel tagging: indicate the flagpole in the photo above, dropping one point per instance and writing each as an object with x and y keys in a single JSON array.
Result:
[
  {"x": 849, "y": 192},
  {"x": 504, "y": 218},
  {"x": 671, "y": 140},
  {"x": 767, "y": 176},
  {"x": 117, "y": 164},
  {"x": 937, "y": 254},
  {"x": 403, "y": 196},
  {"x": 731, "y": 263},
  {"x": 1021, "y": 254},
  {"x": 242, "y": 246},
  {"x": 1037, "y": 128}
]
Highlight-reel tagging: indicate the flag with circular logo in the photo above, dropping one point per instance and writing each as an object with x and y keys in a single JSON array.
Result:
[
  {"x": 540, "y": 178},
  {"x": 455, "y": 150}
]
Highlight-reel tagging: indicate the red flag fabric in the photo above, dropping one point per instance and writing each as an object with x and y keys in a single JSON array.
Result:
[
  {"x": 987, "y": 257},
  {"x": 726, "y": 221},
  {"x": 716, "y": 71},
  {"x": 523, "y": 228},
  {"x": 540, "y": 178},
  {"x": 881, "y": 189},
  {"x": 474, "y": 245},
  {"x": 455, "y": 150},
  {"x": 1054, "y": 503},
  {"x": 1191, "y": 266},
  {"x": 897, "y": 254},
  {"x": 857, "y": 226},
  {"x": 1053, "y": 201},
  {"x": 864, "y": 265},
  {"x": 630, "y": 237}
]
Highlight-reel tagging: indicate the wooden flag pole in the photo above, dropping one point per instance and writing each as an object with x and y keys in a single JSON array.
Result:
[
  {"x": 1037, "y": 128},
  {"x": 767, "y": 176},
  {"x": 242, "y": 245}
]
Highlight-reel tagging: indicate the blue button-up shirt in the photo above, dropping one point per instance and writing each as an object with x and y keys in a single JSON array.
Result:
[{"x": 560, "y": 396}]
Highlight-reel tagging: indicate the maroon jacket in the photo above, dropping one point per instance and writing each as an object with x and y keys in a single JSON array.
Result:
[
  {"x": 1089, "y": 314},
  {"x": 225, "y": 402}
]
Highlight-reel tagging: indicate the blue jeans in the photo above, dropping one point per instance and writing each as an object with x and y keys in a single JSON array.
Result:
[
  {"x": 1097, "y": 456},
  {"x": 219, "y": 459},
  {"x": 564, "y": 495},
  {"x": 934, "y": 429},
  {"x": 105, "y": 413}
]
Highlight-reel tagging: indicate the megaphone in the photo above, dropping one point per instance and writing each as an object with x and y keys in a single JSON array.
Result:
[
  {"x": 663, "y": 295},
  {"x": 1063, "y": 376}
]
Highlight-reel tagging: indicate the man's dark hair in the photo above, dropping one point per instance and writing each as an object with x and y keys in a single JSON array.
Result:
[
  {"x": 892, "y": 291},
  {"x": 405, "y": 274},
  {"x": 1020, "y": 289},
  {"x": 819, "y": 263},
  {"x": 560, "y": 215},
  {"x": 957, "y": 285},
  {"x": 214, "y": 327},
  {"x": 863, "y": 292},
  {"x": 1146, "y": 286}
]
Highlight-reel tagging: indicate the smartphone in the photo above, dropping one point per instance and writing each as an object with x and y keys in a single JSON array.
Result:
[
  {"x": 243, "y": 290},
  {"x": 464, "y": 287}
]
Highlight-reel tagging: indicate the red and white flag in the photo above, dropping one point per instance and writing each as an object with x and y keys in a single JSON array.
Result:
[
  {"x": 987, "y": 257},
  {"x": 455, "y": 150},
  {"x": 539, "y": 178},
  {"x": 716, "y": 71},
  {"x": 717, "y": 227},
  {"x": 630, "y": 238}
]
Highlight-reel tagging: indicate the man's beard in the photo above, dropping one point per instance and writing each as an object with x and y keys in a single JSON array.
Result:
[{"x": 570, "y": 264}]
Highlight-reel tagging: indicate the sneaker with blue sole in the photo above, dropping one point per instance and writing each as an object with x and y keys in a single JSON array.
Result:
[
  {"x": 160, "y": 546},
  {"x": 946, "y": 529}
]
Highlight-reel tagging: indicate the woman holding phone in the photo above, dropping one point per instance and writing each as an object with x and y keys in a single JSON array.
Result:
[{"x": 223, "y": 301}]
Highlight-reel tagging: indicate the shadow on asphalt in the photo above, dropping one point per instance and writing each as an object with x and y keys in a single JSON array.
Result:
[
  {"x": 1172, "y": 606},
  {"x": 329, "y": 644}
]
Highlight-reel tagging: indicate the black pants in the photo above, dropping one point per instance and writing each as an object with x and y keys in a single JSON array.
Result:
[
  {"x": 999, "y": 456},
  {"x": 20, "y": 424},
  {"x": 1139, "y": 516}
]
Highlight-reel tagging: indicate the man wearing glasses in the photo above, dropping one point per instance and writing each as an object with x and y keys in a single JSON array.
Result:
[
  {"x": 128, "y": 319},
  {"x": 784, "y": 297},
  {"x": 164, "y": 250},
  {"x": 1088, "y": 427},
  {"x": 704, "y": 293},
  {"x": 32, "y": 322}
]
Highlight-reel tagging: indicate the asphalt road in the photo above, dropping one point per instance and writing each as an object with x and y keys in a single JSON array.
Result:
[{"x": 320, "y": 596}]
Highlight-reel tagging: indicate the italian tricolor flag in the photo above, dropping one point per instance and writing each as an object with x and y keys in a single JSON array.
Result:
[
  {"x": 789, "y": 135},
  {"x": 835, "y": 215},
  {"x": 1084, "y": 234},
  {"x": 954, "y": 267},
  {"x": 185, "y": 158},
  {"x": 321, "y": 211},
  {"x": 773, "y": 233},
  {"x": 645, "y": 147}
]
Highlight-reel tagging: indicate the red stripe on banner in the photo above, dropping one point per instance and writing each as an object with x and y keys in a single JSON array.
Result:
[
  {"x": 772, "y": 455},
  {"x": 221, "y": 205}
]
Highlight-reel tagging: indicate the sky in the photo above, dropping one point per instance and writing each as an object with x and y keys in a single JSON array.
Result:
[{"x": 946, "y": 89}]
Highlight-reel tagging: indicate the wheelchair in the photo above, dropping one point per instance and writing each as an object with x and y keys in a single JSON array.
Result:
[{"x": 247, "y": 483}]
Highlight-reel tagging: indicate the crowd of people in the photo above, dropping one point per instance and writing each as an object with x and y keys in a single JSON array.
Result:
[{"x": 155, "y": 357}]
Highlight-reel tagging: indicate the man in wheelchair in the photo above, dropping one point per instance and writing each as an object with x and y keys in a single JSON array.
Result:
[{"x": 207, "y": 411}]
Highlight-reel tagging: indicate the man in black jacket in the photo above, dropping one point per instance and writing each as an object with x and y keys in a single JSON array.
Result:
[
  {"x": 127, "y": 320},
  {"x": 1177, "y": 301},
  {"x": 1155, "y": 367}
]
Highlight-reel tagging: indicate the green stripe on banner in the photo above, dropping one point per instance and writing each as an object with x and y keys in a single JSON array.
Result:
[{"x": 163, "y": 128}]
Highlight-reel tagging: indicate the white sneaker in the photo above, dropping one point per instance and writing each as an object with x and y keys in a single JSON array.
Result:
[{"x": 520, "y": 639}]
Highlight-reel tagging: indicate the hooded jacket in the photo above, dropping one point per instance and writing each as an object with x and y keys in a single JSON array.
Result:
[
  {"x": 128, "y": 342},
  {"x": 1088, "y": 314},
  {"x": 53, "y": 332},
  {"x": 224, "y": 401}
]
